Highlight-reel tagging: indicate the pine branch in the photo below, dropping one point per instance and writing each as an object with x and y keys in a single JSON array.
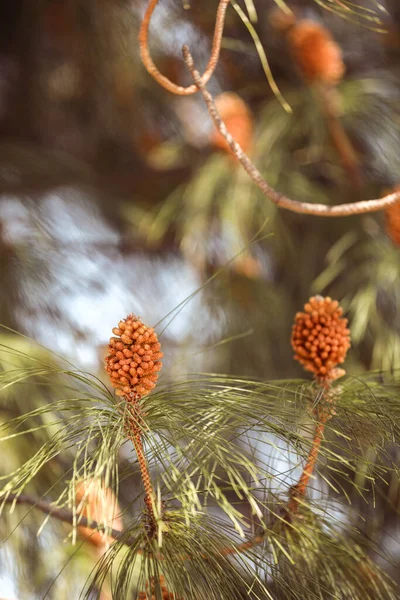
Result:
[
  {"x": 151, "y": 67},
  {"x": 321, "y": 210},
  {"x": 65, "y": 515},
  {"x": 299, "y": 490},
  {"x": 149, "y": 499},
  {"x": 339, "y": 137}
]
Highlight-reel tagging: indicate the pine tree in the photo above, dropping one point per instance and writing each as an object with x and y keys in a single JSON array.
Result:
[{"x": 195, "y": 459}]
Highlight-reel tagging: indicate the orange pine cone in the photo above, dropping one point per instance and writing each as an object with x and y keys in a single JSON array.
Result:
[
  {"x": 97, "y": 503},
  {"x": 320, "y": 338},
  {"x": 238, "y": 120},
  {"x": 392, "y": 215},
  {"x": 133, "y": 360},
  {"x": 316, "y": 53}
]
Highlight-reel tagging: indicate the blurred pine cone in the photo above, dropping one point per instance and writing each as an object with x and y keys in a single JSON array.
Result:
[
  {"x": 238, "y": 120},
  {"x": 98, "y": 503},
  {"x": 316, "y": 53},
  {"x": 392, "y": 215}
]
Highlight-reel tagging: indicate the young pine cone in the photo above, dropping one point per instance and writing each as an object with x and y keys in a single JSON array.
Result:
[
  {"x": 134, "y": 358},
  {"x": 320, "y": 337},
  {"x": 316, "y": 53},
  {"x": 98, "y": 503},
  {"x": 392, "y": 215},
  {"x": 238, "y": 120}
]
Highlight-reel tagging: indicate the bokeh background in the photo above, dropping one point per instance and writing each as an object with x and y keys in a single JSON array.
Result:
[{"x": 117, "y": 197}]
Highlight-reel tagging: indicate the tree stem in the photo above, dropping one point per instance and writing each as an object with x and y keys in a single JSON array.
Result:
[
  {"x": 134, "y": 431},
  {"x": 151, "y": 67},
  {"x": 144, "y": 472},
  {"x": 320, "y": 210},
  {"x": 63, "y": 514},
  {"x": 67, "y": 516},
  {"x": 299, "y": 490}
]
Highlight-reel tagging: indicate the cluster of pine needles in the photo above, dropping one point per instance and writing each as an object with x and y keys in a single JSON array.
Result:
[{"x": 224, "y": 454}]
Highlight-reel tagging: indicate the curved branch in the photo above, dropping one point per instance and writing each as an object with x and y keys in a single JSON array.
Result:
[
  {"x": 307, "y": 208},
  {"x": 151, "y": 67}
]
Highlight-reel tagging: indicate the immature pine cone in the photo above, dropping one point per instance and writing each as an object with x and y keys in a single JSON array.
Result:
[
  {"x": 238, "y": 120},
  {"x": 392, "y": 214},
  {"x": 133, "y": 360},
  {"x": 98, "y": 503},
  {"x": 320, "y": 337},
  {"x": 316, "y": 53}
]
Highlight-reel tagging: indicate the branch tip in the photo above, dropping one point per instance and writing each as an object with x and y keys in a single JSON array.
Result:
[{"x": 320, "y": 210}]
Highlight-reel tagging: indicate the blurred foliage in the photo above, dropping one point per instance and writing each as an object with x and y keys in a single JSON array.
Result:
[{"x": 370, "y": 264}]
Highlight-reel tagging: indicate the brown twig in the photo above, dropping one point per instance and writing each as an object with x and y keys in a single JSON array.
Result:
[
  {"x": 257, "y": 540},
  {"x": 151, "y": 67},
  {"x": 67, "y": 516},
  {"x": 321, "y": 210},
  {"x": 64, "y": 515},
  {"x": 299, "y": 490},
  {"x": 138, "y": 443},
  {"x": 134, "y": 423},
  {"x": 149, "y": 498},
  {"x": 328, "y": 97}
]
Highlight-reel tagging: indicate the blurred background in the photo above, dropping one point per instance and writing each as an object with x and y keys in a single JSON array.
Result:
[{"x": 118, "y": 197}]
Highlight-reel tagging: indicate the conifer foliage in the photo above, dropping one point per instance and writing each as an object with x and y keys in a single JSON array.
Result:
[
  {"x": 231, "y": 444},
  {"x": 176, "y": 546}
]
